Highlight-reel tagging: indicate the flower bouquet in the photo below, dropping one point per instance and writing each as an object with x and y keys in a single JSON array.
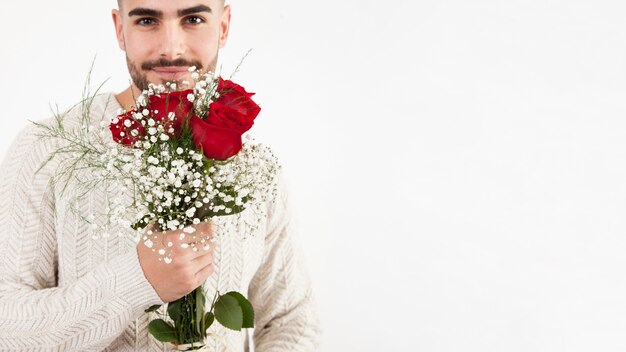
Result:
[{"x": 183, "y": 157}]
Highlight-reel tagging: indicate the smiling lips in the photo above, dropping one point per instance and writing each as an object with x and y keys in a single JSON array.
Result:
[{"x": 171, "y": 72}]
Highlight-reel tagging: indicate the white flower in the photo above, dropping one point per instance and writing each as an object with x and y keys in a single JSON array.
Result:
[
  {"x": 179, "y": 150},
  {"x": 191, "y": 212},
  {"x": 173, "y": 224}
]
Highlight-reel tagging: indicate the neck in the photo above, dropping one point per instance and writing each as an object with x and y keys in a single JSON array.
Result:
[{"x": 128, "y": 97}]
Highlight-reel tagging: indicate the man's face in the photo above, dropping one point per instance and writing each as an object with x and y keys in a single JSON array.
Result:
[{"x": 163, "y": 38}]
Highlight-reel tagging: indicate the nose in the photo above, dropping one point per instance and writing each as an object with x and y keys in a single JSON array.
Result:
[{"x": 172, "y": 42}]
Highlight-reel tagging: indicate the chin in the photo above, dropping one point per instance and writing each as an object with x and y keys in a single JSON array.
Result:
[{"x": 178, "y": 81}]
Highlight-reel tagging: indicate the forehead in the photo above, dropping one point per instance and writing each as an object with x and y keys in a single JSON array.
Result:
[{"x": 166, "y": 6}]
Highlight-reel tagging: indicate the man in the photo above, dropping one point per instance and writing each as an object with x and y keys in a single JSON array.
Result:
[{"x": 62, "y": 289}]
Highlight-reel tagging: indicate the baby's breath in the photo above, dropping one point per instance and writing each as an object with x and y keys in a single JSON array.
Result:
[{"x": 170, "y": 183}]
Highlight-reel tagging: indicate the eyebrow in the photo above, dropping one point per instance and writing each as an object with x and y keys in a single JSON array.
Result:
[
  {"x": 141, "y": 11},
  {"x": 195, "y": 9}
]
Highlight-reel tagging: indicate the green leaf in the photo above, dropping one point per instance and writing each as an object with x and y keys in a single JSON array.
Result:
[
  {"x": 140, "y": 224},
  {"x": 246, "y": 309},
  {"x": 235, "y": 209},
  {"x": 153, "y": 308},
  {"x": 162, "y": 331},
  {"x": 208, "y": 163},
  {"x": 174, "y": 309},
  {"x": 228, "y": 312},
  {"x": 209, "y": 318}
]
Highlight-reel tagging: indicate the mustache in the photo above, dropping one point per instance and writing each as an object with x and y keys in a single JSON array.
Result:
[{"x": 148, "y": 65}]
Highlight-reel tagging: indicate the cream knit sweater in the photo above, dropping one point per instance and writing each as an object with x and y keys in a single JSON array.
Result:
[{"x": 62, "y": 290}]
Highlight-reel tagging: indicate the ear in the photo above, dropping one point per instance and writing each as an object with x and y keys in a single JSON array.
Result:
[
  {"x": 119, "y": 28},
  {"x": 224, "y": 26}
]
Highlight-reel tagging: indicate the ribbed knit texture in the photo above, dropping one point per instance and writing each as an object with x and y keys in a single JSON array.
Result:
[{"x": 63, "y": 290}]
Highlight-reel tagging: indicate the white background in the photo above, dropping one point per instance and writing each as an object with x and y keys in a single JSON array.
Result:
[{"x": 459, "y": 166}]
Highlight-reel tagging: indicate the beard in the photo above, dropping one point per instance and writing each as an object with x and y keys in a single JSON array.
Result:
[{"x": 139, "y": 75}]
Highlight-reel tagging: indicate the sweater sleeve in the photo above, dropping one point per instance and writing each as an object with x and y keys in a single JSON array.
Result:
[
  {"x": 36, "y": 314},
  {"x": 280, "y": 292}
]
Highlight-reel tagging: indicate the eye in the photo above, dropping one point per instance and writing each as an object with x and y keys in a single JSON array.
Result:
[
  {"x": 146, "y": 21},
  {"x": 194, "y": 20}
]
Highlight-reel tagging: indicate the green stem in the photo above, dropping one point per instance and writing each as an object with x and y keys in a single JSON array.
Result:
[{"x": 186, "y": 325}]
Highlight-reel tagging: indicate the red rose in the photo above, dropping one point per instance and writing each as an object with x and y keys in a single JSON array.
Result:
[
  {"x": 225, "y": 116},
  {"x": 163, "y": 104},
  {"x": 235, "y": 97},
  {"x": 122, "y": 130},
  {"x": 216, "y": 142},
  {"x": 232, "y": 114},
  {"x": 175, "y": 102}
]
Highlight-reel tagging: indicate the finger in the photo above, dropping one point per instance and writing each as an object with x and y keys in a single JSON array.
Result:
[
  {"x": 194, "y": 250},
  {"x": 207, "y": 227},
  {"x": 190, "y": 233},
  {"x": 203, "y": 260},
  {"x": 199, "y": 239},
  {"x": 204, "y": 273},
  {"x": 180, "y": 236},
  {"x": 196, "y": 241}
]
